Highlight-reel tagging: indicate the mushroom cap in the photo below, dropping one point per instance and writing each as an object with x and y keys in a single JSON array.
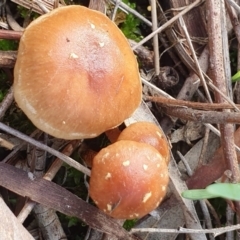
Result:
[
  {"x": 150, "y": 133},
  {"x": 76, "y": 75},
  {"x": 128, "y": 179}
]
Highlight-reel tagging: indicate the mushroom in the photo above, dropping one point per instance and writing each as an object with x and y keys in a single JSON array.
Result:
[
  {"x": 150, "y": 133},
  {"x": 76, "y": 75},
  {"x": 128, "y": 179}
]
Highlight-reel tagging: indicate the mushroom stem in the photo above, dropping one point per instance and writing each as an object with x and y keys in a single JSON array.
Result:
[{"x": 113, "y": 134}]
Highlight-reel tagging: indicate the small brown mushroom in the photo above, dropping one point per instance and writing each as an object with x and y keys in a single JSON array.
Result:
[
  {"x": 150, "y": 133},
  {"x": 76, "y": 75},
  {"x": 128, "y": 179}
]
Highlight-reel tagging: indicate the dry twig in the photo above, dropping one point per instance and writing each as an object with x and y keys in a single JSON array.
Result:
[{"x": 217, "y": 69}]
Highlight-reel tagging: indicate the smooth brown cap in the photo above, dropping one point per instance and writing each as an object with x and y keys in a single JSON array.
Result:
[
  {"x": 128, "y": 179},
  {"x": 150, "y": 133},
  {"x": 76, "y": 75}
]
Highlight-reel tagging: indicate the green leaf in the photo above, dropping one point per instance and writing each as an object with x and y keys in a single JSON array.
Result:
[
  {"x": 225, "y": 190},
  {"x": 73, "y": 221},
  {"x": 6, "y": 44},
  {"x": 128, "y": 224},
  {"x": 236, "y": 77},
  {"x": 130, "y": 27},
  {"x": 198, "y": 194}
]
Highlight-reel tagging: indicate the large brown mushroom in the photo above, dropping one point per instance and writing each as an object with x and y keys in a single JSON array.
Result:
[
  {"x": 76, "y": 75},
  {"x": 128, "y": 179},
  {"x": 150, "y": 133}
]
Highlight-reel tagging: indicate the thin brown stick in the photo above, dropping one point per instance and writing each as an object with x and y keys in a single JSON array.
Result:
[
  {"x": 215, "y": 231},
  {"x": 98, "y": 5},
  {"x": 195, "y": 105},
  {"x": 204, "y": 146},
  {"x": 172, "y": 39},
  {"x": 49, "y": 175},
  {"x": 9, "y": 34},
  {"x": 198, "y": 69},
  {"x": 212, "y": 117},
  {"x": 6, "y": 102},
  {"x": 190, "y": 86},
  {"x": 44, "y": 147},
  {"x": 34, "y": 6},
  {"x": 234, "y": 20},
  {"x": 7, "y": 59},
  {"x": 167, "y": 24},
  {"x": 11, "y": 21},
  {"x": 216, "y": 35}
]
